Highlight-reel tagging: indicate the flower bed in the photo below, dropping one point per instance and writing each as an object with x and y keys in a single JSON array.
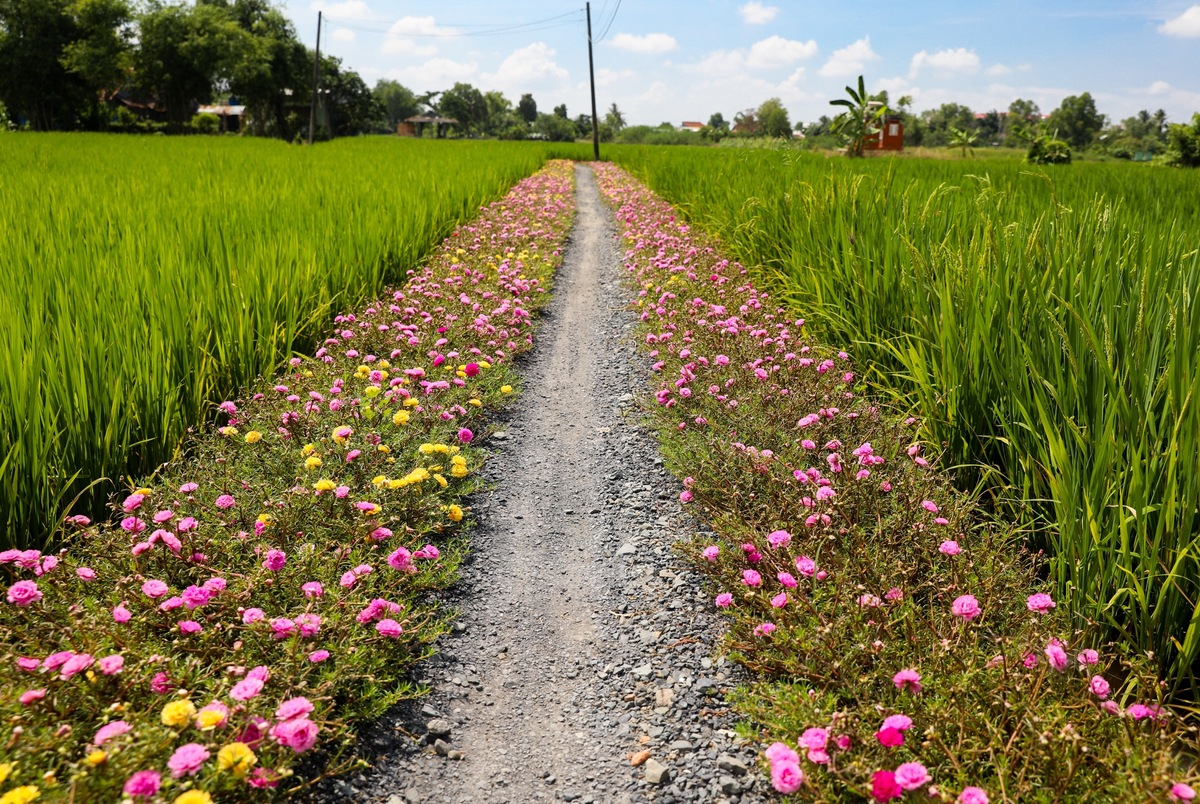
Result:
[
  {"x": 255, "y": 600},
  {"x": 904, "y": 644}
]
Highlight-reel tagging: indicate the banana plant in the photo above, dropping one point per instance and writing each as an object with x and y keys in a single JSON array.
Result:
[{"x": 861, "y": 120}]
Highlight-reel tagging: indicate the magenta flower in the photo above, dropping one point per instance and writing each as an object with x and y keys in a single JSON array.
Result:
[
  {"x": 225, "y": 501},
  {"x": 965, "y": 606},
  {"x": 76, "y": 665},
  {"x": 751, "y": 578},
  {"x": 30, "y": 696},
  {"x": 143, "y": 784},
  {"x": 389, "y": 628},
  {"x": 111, "y": 665},
  {"x": 275, "y": 560},
  {"x": 711, "y": 552},
  {"x": 1099, "y": 687},
  {"x": 1040, "y": 602},
  {"x": 778, "y": 538},
  {"x": 194, "y": 597},
  {"x": 313, "y": 589},
  {"x": 121, "y": 614},
  {"x": 806, "y": 566},
  {"x": 465, "y": 435},
  {"x": 24, "y": 593},
  {"x": 930, "y": 506},
  {"x": 282, "y": 627},
  {"x": 1056, "y": 656},
  {"x": 1182, "y": 792},
  {"x": 973, "y": 795},
  {"x": 781, "y": 752},
  {"x": 187, "y": 759},
  {"x": 86, "y": 573},
  {"x": 764, "y": 629},
  {"x": 912, "y": 776},
  {"x": 949, "y": 548},
  {"x": 884, "y": 786},
  {"x": 110, "y": 730},
  {"x": 1088, "y": 656},
  {"x": 724, "y": 600},
  {"x": 890, "y": 737},
  {"x": 246, "y": 689},
  {"x": 154, "y": 588},
  {"x": 786, "y": 777},
  {"x": 899, "y": 722},
  {"x": 318, "y": 656},
  {"x": 293, "y": 708},
  {"x": 251, "y": 616},
  {"x": 779, "y": 601},
  {"x": 907, "y": 680},
  {"x": 190, "y": 627}
]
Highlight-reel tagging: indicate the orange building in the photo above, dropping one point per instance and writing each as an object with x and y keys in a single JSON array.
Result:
[{"x": 890, "y": 137}]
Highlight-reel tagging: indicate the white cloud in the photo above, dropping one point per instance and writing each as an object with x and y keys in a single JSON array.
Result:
[
  {"x": 1186, "y": 25},
  {"x": 400, "y": 39},
  {"x": 850, "y": 60},
  {"x": 755, "y": 13},
  {"x": 342, "y": 35},
  {"x": 775, "y": 51},
  {"x": 956, "y": 60},
  {"x": 648, "y": 43},
  {"x": 997, "y": 70},
  {"x": 347, "y": 10},
  {"x": 419, "y": 26},
  {"x": 606, "y": 77},
  {"x": 528, "y": 69},
  {"x": 434, "y": 74},
  {"x": 1158, "y": 88}
]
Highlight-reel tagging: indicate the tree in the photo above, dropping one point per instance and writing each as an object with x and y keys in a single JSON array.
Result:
[
  {"x": 184, "y": 53},
  {"x": 1183, "y": 144},
  {"x": 555, "y": 128},
  {"x": 614, "y": 119},
  {"x": 939, "y": 121},
  {"x": 773, "y": 119},
  {"x": 34, "y": 83},
  {"x": 561, "y": 111},
  {"x": 963, "y": 139},
  {"x": 1077, "y": 120},
  {"x": 860, "y": 120},
  {"x": 746, "y": 123},
  {"x": 500, "y": 119},
  {"x": 100, "y": 56},
  {"x": 465, "y": 104},
  {"x": 346, "y": 101},
  {"x": 717, "y": 122},
  {"x": 583, "y": 126},
  {"x": 398, "y": 101},
  {"x": 527, "y": 108}
]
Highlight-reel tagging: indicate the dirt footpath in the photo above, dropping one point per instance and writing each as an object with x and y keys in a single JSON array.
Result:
[{"x": 582, "y": 640}]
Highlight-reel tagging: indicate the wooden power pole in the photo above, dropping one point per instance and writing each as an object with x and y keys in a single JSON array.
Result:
[
  {"x": 592, "y": 76},
  {"x": 312, "y": 109}
]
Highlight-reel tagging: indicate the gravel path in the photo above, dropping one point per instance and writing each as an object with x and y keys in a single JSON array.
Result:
[{"x": 583, "y": 640}]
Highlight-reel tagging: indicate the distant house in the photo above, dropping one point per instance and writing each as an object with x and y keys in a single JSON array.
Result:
[
  {"x": 691, "y": 125},
  {"x": 231, "y": 116},
  {"x": 415, "y": 126}
]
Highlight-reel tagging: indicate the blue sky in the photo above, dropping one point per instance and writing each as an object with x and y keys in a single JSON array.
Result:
[{"x": 668, "y": 60}]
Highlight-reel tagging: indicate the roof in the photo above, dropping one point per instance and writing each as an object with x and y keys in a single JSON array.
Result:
[
  {"x": 223, "y": 111},
  {"x": 691, "y": 124},
  {"x": 422, "y": 118}
]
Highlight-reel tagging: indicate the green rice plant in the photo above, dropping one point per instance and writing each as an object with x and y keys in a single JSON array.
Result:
[
  {"x": 1042, "y": 319},
  {"x": 146, "y": 277}
]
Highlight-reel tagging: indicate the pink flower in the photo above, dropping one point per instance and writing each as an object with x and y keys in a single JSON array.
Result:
[
  {"x": 806, "y": 566},
  {"x": 890, "y": 737},
  {"x": 724, "y": 600},
  {"x": 299, "y": 734},
  {"x": 711, "y": 552},
  {"x": 312, "y": 589},
  {"x": 781, "y": 752},
  {"x": 190, "y": 627},
  {"x": 154, "y": 588},
  {"x": 282, "y": 627},
  {"x": 973, "y": 795},
  {"x": 318, "y": 656},
  {"x": 187, "y": 759},
  {"x": 465, "y": 435},
  {"x": 907, "y": 679},
  {"x": 161, "y": 684},
  {"x": 779, "y": 601},
  {"x": 751, "y": 578},
  {"x": 1040, "y": 602},
  {"x": 275, "y": 560},
  {"x": 778, "y": 538},
  {"x": 1088, "y": 656},
  {"x": 1056, "y": 656},
  {"x": 949, "y": 548},
  {"x": 250, "y": 616},
  {"x": 884, "y": 787},
  {"x": 262, "y": 778},
  {"x": 815, "y": 739},
  {"x": 1099, "y": 687},
  {"x": 764, "y": 629},
  {"x": 786, "y": 777},
  {"x": 912, "y": 776},
  {"x": 965, "y": 606},
  {"x": 225, "y": 501},
  {"x": 86, "y": 573},
  {"x": 293, "y": 708},
  {"x": 1139, "y": 711},
  {"x": 111, "y": 665},
  {"x": 400, "y": 559},
  {"x": 27, "y": 663},
  {"x": 379, "y": 534},
  {"x": 121, "y": 614},
  {"x": 143, "y": 784},
  {"x": 309, "y": 625},
  {"x": 24, "y": 593},
  {"x": 76, "y": 665},
  {"x": 132, "y": 503},
  {"x": 29, "y": 696},
  {"x": 786, "y": 579},
  {"x": 930, "y": 506},
  {"x": 389, "y": 628},
  {"x": 246, "y": 689},
  {"x": 109, "y": 731},
  {"x": 899, "y": 722},
  {"x": 1182, "y": 792},
  {"x": 194, "y": 597}
]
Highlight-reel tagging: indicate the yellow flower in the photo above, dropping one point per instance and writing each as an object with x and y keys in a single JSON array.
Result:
[
  {"x": 383, "y": 364},
  {"x": 458, "y": 459},
  {"x": 308, "y": 372},
  {"x": 397, "y": 484},
  {"x": 460, "y": 251},
  {"x": 324, "y": 484},
  {"x": 384, "y": 448},
  {"x": 253, "y": 437},
  {"x": 96, "y": 757},
  {"x": 209, "y": 719},
  {"x": 228, "y": 430},
  {"x": 178, "y": 713},
  {"x": 475, "y": 402},
  {"x": 455, "y": 513},
  {"x": 20, "y": 795},
  {"x": 458, "y": 470},
  {"x": 362, "y": 372},
  {"x": 237, "y": 758},
  {"x": 312, "y": 462},
  {"x": 441, "y": 449},
  {"x": 483, "y": 364},
  {"x": 379, "y": 480},
  {"x": 264, "y": 518},
  {"x": 506, "y": 389},
  {"x": 425, "y": 449},
  {"x": 308, "y": 449},
  {"x": 371, "y": 391},
  {"x": 401, "y": 417},
  {"x": 5, "y": 771},
  {"x": 411, "y": 402},
  {"x": 193, "y": 797},
  {"x": 372, "y": 510},
  {"x": 441, "y": 481},
  {"x": 145, "y": 492}
]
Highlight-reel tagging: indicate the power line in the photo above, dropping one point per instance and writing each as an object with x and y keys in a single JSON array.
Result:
[
  {"x": 610, "y": 21},
  {"x": 493, "y": 30}
]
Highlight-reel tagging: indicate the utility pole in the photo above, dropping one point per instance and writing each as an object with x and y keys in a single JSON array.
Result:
[
  {"x": 312, "y": 110},
  {"x": 592, "y": 76}
]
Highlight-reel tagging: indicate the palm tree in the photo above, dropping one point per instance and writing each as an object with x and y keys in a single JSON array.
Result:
[
  {"x": 860, "y": 120},
  {"x": 614, "y": 118}
]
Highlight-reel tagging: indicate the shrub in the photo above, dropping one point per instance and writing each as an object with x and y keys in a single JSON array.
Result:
[
  {"x": 206, "y": 123},
  {"x": 1183, "y": 144}
]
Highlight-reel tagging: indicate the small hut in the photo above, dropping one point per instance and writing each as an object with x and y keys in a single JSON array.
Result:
[{"x": 415, "y": 126}]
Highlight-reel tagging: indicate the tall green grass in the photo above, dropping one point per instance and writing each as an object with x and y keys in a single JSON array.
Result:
[
  {"x": 1042, "y": 321},
  {"x": 143, "y": 278}
]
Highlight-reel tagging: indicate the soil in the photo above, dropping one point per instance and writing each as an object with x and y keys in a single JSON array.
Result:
[{"x": 583, "y": 639}]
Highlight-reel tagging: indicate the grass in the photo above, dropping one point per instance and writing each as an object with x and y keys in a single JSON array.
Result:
[
  {"x": 1042, "y": 320},
  {"x": 147, "y": 277}
]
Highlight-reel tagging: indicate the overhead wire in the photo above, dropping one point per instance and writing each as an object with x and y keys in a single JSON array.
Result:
[
  {"x": 493, "y": 30},
  {"x": 610, "y": 22}
]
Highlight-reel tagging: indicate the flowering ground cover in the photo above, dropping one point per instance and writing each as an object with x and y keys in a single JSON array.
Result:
[
  {"x": 253, "y": 602},
  {"x": 906, "y": 645}
]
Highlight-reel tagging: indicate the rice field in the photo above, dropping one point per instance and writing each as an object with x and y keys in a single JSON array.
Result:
[
  {"x": 147, "y": 277},
  {"x": 1044, "y": 321}
]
